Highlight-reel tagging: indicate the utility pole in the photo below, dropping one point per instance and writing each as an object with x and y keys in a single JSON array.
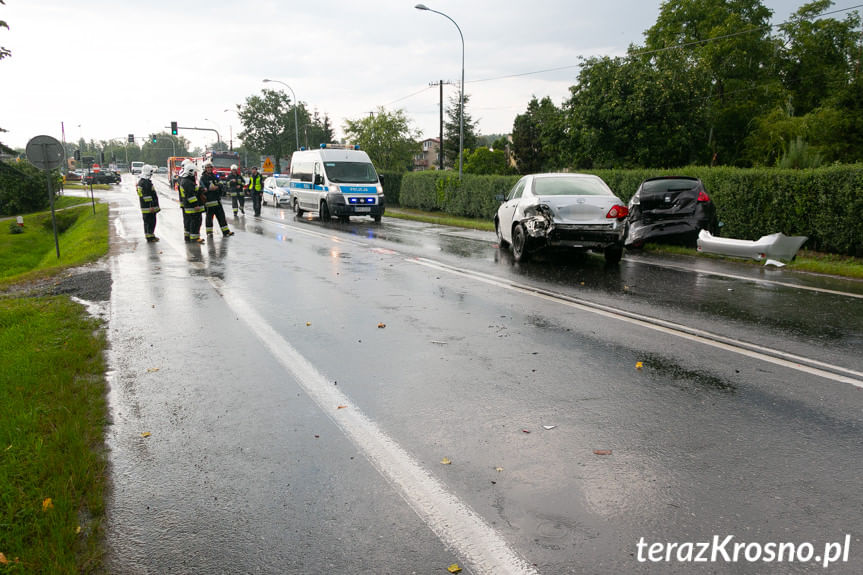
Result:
[{"x": 440, "y": 144}]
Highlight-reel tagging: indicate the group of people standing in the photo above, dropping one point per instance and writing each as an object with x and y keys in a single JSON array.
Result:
[{"x": 198, "y": 198}]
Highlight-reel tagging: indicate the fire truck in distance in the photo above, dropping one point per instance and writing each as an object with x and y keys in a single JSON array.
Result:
[
  {"x": 174, "y": 165},
  {"x": 222, "y": 162}
]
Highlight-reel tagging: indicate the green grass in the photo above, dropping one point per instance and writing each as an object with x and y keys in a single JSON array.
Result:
[
  {"x": 439, "y": 218},
  {"x": 52, "y": 399},
  {"x": 32, "y": 254},
  {"x": 52, "y": 418},
  {"x": 806, "y": 260}
]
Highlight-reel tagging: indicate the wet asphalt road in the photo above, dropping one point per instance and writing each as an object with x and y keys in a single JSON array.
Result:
[{"x": 397, "y": 398}]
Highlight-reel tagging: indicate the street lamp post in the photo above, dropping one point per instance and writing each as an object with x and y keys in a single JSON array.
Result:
[
  {"x": 461, "y": 92},
  {"x": 294, "y": 96},
  {"x": 217, "y": 130},
  {"x": 230, "y": 130}
]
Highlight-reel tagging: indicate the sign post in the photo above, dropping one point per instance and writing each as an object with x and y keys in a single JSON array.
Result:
[{"x": 46, "y": 153}]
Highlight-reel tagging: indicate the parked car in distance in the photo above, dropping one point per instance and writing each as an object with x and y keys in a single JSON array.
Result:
[
  {"x": 162, "y": 170},
  {"x": 670, "y": 208},
  {"x": 576, "y": 211},
  {"x": 277, "y": 191}
]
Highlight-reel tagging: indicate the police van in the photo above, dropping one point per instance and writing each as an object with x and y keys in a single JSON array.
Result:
[{"x": 335, "y": 180}]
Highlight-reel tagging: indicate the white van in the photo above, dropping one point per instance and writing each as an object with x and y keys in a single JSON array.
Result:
[
  {"x": 336, "y": 181},
  {"x": 135, "y": 168}
]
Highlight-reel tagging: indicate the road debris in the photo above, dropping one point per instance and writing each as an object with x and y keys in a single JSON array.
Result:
[
  {"x": 341, "y": 407},
  {"x": 445, "y": 461},
  {"x": 145, "y": 434},
  {"x": 548, "y": 427},
  {"x": 639, "y": 365},
  {"x": 381, "y": 325},
  {"x": 454, "y": 568},
  {"x": 602, "y": 452},
  {"x": 152, "y": 369}
]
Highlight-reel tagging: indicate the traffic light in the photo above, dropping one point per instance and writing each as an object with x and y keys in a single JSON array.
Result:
[
  {"x": 78, "y": 155},
  {"x": 174, "y": 128},
  {"x": 131, "y": 138},
  {"x": 153, "y": 139}
]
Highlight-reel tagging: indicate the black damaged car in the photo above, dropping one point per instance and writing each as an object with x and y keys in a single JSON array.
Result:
[{"x": 671, "y": 209}]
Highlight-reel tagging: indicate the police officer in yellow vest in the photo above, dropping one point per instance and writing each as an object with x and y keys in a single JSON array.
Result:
[{"x": 256, "y": 189}]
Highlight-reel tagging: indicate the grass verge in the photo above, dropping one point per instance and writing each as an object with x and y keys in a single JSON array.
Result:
[
  {"x": 439, "y": 218},
  {"x": 52, "y": 401},
  {"x": 52, "y": 418},
  {"x": 32, "y": 254},
  {"x": 806, "y": 260}
]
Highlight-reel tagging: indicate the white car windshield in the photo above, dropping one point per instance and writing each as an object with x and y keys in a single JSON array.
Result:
[
  {"x": 282, "y": 182},
  {"x": 567, "y": 186},
  {"x": 351, "y": 172}
]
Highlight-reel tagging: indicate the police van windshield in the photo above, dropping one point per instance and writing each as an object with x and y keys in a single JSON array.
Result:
[{"x": 351, "y": 172}]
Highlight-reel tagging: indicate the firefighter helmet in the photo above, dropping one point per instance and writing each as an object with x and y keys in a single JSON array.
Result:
[
  {"x": 234, "y": 167},
  {"x": 147, "y": 171}
]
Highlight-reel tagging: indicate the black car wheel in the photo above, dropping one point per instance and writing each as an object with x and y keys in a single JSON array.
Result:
[
  {"x": 613, "y": 254},
  {"x": 500, "y": 241},
  {"x": 324, "y": 212},
  {"x": 297, "y": 209},
  {"x": 519, "y": 243}
]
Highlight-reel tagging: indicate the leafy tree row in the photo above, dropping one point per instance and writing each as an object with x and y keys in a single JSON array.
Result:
[{"x": 711, "y": 85}]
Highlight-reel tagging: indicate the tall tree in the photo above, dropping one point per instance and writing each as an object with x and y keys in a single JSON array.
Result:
[
  {"x": 268, "y": 123},
  {"x": 387, "y": 137},
  {"x": 538, "y": 138},
  {"x": 4, "y": 53},
  {"x": 820, "y": 56},
  {"x": 451, "y": 131}
]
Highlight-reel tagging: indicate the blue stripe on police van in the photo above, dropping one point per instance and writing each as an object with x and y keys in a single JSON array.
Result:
[{"x": 358, "y": 189}]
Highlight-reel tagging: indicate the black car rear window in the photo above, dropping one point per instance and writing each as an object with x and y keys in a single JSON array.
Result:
[{"x": 669, "y": 185}]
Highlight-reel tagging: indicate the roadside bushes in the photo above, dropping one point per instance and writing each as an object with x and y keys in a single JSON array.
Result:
[
  {"x": 23, "y": 188},
  {"x": 824, "y": 204}
]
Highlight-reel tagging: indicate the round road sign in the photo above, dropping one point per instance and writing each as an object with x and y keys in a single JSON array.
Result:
[{"x": 45, "y": 152}]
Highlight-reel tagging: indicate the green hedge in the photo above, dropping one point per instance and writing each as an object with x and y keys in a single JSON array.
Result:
[{"x": 825, "y": 204}]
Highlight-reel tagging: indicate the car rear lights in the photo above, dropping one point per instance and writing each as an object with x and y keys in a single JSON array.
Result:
[
  {"x": 703, "y": 197},
  {"x": 617, "y": 212}
]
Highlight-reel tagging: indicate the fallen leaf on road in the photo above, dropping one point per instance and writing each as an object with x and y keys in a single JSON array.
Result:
[
  {"x": 381, "y": 325},
  {"x": 602, "y": 452},
  {"x": 525, "y": 431},
  {"x": 454, "y": 568},
  {"x": 498, "y": 469},
  {"x": 145, "y": 434},
  {"x": 308, "y": 323},
  {"x": 152, "y": 369},
  {"x": 341, "y": 407},
  {"x": 47, "y": 504},
  {"x": 639, "y": 365},
  {"x": 445, "y": 461}
]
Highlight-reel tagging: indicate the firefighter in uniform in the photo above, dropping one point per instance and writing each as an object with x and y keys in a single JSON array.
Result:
[
  {"x": 193, "y": 207},
  {"x": 149, "y": 203},
  {"x": 212, "y": 189},
  {"x": 256, "y": 189},
  {"x": 235, "y": 188}
]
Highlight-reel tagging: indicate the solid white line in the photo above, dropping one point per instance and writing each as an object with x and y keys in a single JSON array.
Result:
[
  {"x": 749, "y": 350},
  {"x": 748, "y": 279},
  {"x": 453, "y": 521}
]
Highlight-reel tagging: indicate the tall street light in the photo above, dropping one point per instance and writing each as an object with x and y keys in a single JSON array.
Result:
[
  {"x": 461, "y": 93},
  {"x": 294, "y": 96},
  {"x": 230, "y": 129}
]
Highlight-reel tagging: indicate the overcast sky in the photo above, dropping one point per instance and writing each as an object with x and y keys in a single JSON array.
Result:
[{"x": 108, "y": 68}]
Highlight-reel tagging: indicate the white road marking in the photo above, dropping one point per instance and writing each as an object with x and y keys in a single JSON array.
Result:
[
  {"x": 747, "y": 278},
  {"x": 452, "y": 520},
  {"x": 795, "y": 362}
]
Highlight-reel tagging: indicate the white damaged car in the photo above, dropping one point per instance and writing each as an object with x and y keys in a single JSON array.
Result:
[{"x": 577, "y": 211}]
